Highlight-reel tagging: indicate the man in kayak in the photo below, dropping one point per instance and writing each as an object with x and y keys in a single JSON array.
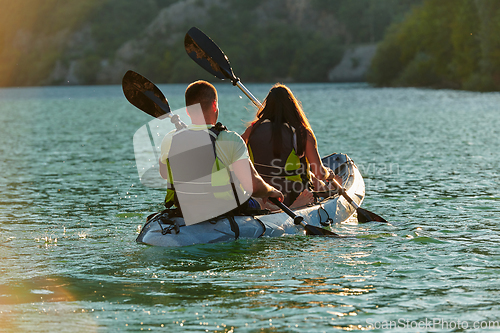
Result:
[{"x": 207, "y": 166}]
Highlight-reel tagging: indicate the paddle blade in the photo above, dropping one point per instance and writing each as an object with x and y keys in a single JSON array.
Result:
[
  {"x": 367, "y": 216},
  {"x": 315, "y": 231},
  {"x": 203, "y": 50},
  {"x": 144, "y": 94}
]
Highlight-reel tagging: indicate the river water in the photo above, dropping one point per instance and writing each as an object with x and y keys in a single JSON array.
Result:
[{"x": 71, "y": 206}]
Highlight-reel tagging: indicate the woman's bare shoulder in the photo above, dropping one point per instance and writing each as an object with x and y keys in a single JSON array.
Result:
[
  {"x": 246, "y": 134},
  {"x": 311, "y": 138}
]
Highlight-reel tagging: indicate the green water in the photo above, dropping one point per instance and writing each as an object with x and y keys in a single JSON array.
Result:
[{"x": 71, "y": 205}]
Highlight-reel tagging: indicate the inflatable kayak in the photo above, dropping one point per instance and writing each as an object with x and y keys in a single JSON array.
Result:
[{"x": 165, "y": 229}]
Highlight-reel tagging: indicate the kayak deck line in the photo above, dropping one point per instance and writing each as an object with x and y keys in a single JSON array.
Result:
[{"x": 166, "y": 231}]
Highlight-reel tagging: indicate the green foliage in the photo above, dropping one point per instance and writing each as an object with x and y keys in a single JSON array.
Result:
[
  {"x": 117, "y": 21},
  {"x": 266, "y": 40},
  {"x": 420, "y": 72},
  {"x": 88, "y": 68},
  {"x": 387, "y": 64},
  {"x": 271, "y": 52},
  {"x": 489, "y": 37},
  {"x": 464, "y": 38},
  {"x": 366, "y": 20},
  {"x": 169, "y": 65},
  {"x": 442, "y": 44},
  {"x": 314, "y": 57},
  {"x": 32, "y": 34}
]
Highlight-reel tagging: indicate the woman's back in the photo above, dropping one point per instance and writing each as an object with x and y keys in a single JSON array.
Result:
[
  {"x": 287, "y": 128},
  {"x": 282, "y": 169}
]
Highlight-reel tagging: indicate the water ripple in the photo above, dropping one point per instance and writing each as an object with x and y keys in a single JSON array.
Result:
[{"x": 71, "y": 206}]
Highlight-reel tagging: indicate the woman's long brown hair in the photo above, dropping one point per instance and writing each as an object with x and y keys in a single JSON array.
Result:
[{"x": 280, "y": 106}]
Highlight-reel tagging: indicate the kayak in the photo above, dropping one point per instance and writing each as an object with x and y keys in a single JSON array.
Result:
[{"x": 167, "y": 230}]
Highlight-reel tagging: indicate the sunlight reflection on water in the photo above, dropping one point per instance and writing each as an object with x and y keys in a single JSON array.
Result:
[{"x": 71, "y": 205}]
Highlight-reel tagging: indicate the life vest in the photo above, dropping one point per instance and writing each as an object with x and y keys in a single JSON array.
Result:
[
  {"x": 287, "y": 172},
  {"x": 197, "y": 176}
]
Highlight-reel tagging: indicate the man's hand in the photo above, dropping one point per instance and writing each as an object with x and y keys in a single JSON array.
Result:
[{"x": 273, "y": 193}]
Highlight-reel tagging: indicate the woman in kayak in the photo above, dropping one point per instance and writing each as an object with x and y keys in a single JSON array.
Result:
[{"x": 284, "y": 149}]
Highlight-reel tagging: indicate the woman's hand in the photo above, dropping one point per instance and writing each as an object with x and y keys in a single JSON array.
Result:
[{"x": 332, "y": 185}]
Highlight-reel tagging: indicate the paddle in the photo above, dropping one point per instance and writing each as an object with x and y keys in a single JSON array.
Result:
[
  {"x": 310, "y": 229},
  {"x": 208, "y": 55},
  {"x": 146, "y": 96},
  {"x": 363, "y": 214}
]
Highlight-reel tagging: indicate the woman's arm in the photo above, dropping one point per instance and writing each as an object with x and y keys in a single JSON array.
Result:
[
  {"x": 246, "y": 134},
  {"x": 312, "y": 156}
]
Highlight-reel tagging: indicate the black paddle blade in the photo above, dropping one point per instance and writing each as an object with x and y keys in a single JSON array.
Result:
[
  {"x": 208, "y": 55},
  {"x": 367, "y": 216},
  {"x": 144, "y": 94},
  {"x": 315, "y": 231}
]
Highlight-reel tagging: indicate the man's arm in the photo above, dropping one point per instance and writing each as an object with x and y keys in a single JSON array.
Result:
[
  {"x": 252, "y": 182},
  {"x": 163, "y": 170}
]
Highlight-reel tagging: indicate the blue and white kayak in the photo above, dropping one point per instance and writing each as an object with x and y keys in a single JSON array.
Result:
[{"x": 164, "y": 230}]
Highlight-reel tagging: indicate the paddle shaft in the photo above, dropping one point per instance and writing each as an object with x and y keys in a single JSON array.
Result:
[
  {"x": 176, "y": 120},
  {"x": 344, "y": 193},
  {"x": 248, "y": 93},
  {"x": 310, "y": 229},
  {"x": 296, "y": 218}
]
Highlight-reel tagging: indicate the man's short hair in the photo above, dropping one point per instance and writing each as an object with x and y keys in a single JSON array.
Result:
[{"x": 201, "y": 92}]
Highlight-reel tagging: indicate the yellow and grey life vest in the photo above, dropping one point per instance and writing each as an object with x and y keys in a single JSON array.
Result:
[
  {"x": 195, "y": 172},
  {"x": 287, "y": 172}
]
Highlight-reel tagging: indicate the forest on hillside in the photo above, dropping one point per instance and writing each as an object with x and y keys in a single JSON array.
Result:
[
  {"x": 51, "y": 42},
  {"x": 442, "y": 44}
]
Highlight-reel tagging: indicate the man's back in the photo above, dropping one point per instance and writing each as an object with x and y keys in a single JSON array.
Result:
[{"x": 200, "y": 165}]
